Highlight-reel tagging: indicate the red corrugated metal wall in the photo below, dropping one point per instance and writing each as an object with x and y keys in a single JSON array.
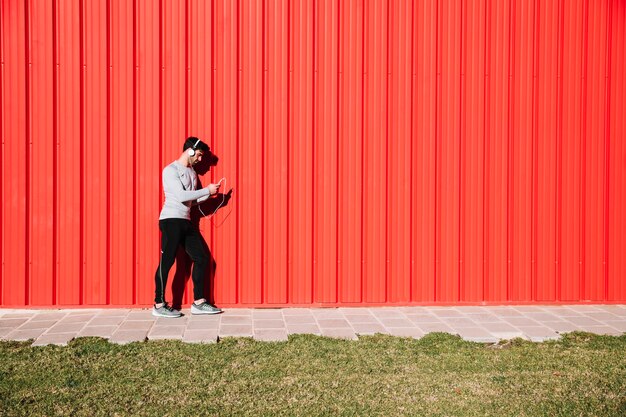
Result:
[{"x": 380, "y": 151}]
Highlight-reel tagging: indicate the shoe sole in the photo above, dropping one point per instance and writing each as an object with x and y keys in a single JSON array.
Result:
[
  {"x": 155, "y": 314},
  {"x": 198, "y": 313}
]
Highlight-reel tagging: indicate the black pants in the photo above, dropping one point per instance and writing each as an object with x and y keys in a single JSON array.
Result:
[{"x": 176, "y": 232}]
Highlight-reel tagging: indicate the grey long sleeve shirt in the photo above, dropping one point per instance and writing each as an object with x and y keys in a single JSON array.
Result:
[{"x": 179, "y": 186}]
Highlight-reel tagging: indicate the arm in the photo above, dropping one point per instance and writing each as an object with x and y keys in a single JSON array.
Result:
[{"x": 173, "y": 185}]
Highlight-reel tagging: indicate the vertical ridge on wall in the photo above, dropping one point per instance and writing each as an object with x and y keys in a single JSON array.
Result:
[
  {"x": 423, "y": 157},
  {"x": 349, "y": 152},
  {"x": 2, "y": 135},
  {"x": 28, "y": 150},
  {"x": 225, "y": 70},
  {"x": 251, "y": 147},
  {"x": 496, "y": 152},
  {"x": 374, "y": 152},
  {"x": 521, "y": 153},
  {"x": 14, "y": 143},
  {"x": 41, "y": 150},
  {"x": 472, "y": 148},
  {"x": 325, "y": 152},
  {"x": 300, "y": 158},
  {"x": 276, "y": 77},
  {"x": 147, "y": 151},
  {"x": 593, "y": 288},
  {"x": 616, "y": 286},
  {"x": 95, "y": 151},
  {"x": 123, "y": 151},
  {"x": 447, "y": 174},
  {"x": 378, "y": 152},
  {"x": 399, "y": 178}
]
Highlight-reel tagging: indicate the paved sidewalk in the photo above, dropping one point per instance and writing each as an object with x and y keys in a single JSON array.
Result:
[{"x": 476, "y": 323}]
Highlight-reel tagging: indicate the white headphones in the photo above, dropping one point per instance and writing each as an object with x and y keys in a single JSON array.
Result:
[{"x": 192, "y": 151}]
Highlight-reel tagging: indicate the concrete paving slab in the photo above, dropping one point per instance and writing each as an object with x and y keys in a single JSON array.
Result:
[
  {"x": 618, "y": 324},
  {"x": 476, "y": 334},
  {"x": 12, "y": 323},
  {"x": 122, "y": 337},
  {"x": 413, "y": 332},
  {"x": 297, "y": 312},
  {"x": 174, "y": 332},
  {"x": 16, "y": 314},
  {"x": 267, "y": 314},
  {"x": 447, "y": 313},
  {"x": 34, "y": 324},
  {"x": 268, "y": 324},
  {"x": 363, "y": 317},
  {"x": 480, "y": 318},
  {"x": 340, "y": 333},
  {"x": 499, "y": 327},
  {"x": 542, "y": 317},
  {"x": 303, "y": 328},
  {"x": 618, "y": 310},
  {"x": 72, "y": 318},
  {"x": 237, "y": 320},
  {"x": 106, "y": 321},
  {"x": 390, "y": 313},
  {"x": 235, "y": 330},
  {"x": 562, "y": 326},
  {"x": 603, "y": 330},
  {"x": 114, "y": 312},
  {"x": 369, "y": 328},
  {"x": 563, "y": 312},
  {"x": 200, "y": 336},
  {"x": 46, "y": 316},
  {"x": 237, "y": 312},
  {"x": 435, "y": 328},
  {"x": 423, "y": 318},
  {"x": 529, "y": 309},
  {"x": 327, "y": 313},
  {"x": 300, "y": 319},
  {"x": 460, "y": 322},
  {"x": 521, "y": 321},
  {"x": 140, "y": 315},
  {"x": 135, "y": 325},
  {"x": 23, "y": 335},
  {"x": 508, "y": 335},
  {"x": 585, "y": 307},
  {"x": 396, "y": 322},
  {"x": 58, "y": 339},
  {"x": 583, "y": 321},
  {"x": 97, "y": 331},
  {"x": 271, "y": 335},
  {"x": 203, "y": 324},
  {"x": 538, "y": 333},
  {"x": 171, "y": 321},
  {"x": 503, "y": 312},
  {"x": 603, "y": 316},
  {"x": 333, "y": 323},
  {"x": 66, "y": 328}
]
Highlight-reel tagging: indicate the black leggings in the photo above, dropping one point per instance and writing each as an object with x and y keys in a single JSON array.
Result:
[{"x": 176, "y": 232}]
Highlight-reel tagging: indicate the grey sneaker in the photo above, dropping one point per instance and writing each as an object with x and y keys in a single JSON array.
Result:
[
  {"x": 204, "y": 308},
  {"x": 165, "y": 311}
]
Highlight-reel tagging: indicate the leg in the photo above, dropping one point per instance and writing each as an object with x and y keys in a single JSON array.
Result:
[
  {"x": 195, "y": 247},
  {"x": 171, "y": 236}
]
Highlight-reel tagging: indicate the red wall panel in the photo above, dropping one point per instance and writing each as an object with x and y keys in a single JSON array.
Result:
[{"x": 380, "y": 152}]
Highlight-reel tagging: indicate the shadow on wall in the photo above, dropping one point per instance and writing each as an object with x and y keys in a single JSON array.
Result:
[{"x": 183, "y": 261}]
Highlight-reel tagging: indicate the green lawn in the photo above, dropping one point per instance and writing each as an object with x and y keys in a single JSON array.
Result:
[{"x": 438, "y": 375}]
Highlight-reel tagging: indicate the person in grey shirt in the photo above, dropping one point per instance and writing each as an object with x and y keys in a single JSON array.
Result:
[{"x": 179, "y": 185}]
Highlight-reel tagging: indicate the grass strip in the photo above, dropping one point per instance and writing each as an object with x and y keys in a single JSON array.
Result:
[{"x": 438, "y": 375}]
